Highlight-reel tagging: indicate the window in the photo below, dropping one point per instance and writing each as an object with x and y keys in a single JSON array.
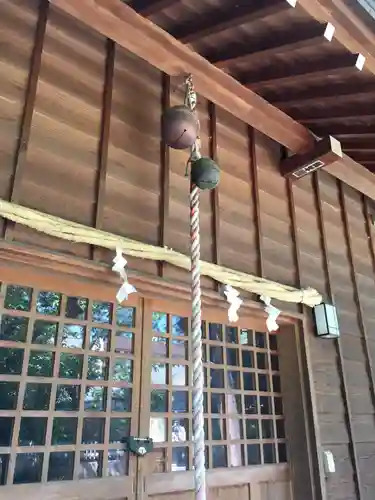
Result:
[
  {"x": 66, "y": 366},
  {"x": 242, "y": 401}
]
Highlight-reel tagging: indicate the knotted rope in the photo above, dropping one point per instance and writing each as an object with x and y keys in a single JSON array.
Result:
[{"x": 196, "y": 319}]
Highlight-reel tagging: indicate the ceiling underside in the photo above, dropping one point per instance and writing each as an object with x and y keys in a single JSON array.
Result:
[{"x": 280, "y": 53}]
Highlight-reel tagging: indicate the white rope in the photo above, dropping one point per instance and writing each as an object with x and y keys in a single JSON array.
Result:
[{"x": 196, "y": 321}]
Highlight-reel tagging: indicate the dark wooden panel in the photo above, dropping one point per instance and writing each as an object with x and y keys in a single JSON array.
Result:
[
  {"x": 238, "y": 247},
  {"x": 60, "y": 175},
  {"x": 17, "y": 32},
  {"x": 277, "y": 245}
]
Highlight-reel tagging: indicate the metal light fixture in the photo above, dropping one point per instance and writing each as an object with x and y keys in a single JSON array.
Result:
[{"x": 326, "y": 322}]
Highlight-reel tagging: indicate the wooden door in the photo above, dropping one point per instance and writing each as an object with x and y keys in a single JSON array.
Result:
[
  {"x": 70, "y": 365},
  {"x": 244, "y": 424}
]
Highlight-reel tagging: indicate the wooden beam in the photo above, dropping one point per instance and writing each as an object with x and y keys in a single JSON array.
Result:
[
  {"x": 293, "y": 76},
  {"x": 215, "y": 203},
  {"x": 253, "y": 165},
  {"x": 325, "y": 152},
  {"x": 164, "y": 171},
  {"x": 105, "y": 126},
  {"x": 274, "y": 46},
  {"x": 118, "y": 21},
  {"x": 221, "y": 19}
]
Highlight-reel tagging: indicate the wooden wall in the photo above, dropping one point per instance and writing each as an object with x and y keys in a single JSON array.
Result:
[{"x": 80, "y": 138}]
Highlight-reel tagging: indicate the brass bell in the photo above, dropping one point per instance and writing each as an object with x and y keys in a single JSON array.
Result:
[
  {"x": 179, "y": 127},
  {"x": 205, "y": 174}
]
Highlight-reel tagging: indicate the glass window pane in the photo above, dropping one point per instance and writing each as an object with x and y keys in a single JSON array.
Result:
[
  {"x": 28, "y": 468},
  {"x": 253, "y": 454},
  {"x": 282, "y": 453},
  {"x": 260, "y": 340},
  {"x": 13, "y": 328},
  {"x": 215, "y": 332},
  {"x": 158, "y": 429},
  {"x": 246, "y": 337},
  {"x": 97, "y": 368},
  {"x": 251, "y": 405},
  {"x": 265, "y": 405},
  {"x": 37, "y": 397},
  {"x": 273, "y": 342},
  {"x": 234, "y": 380},
  {"x": 118, "y": 463},
  {"x": 48, "y": 303},
  {"x": 41, "y": 364},
  {"x": 247, "y": 359},
  {"x": 73, "y": 336},
  {"x": 102, "y": 312},
  {"x": 262, "y": 361},
  {"x": 216, "y": 354},
  {"x": 121, "y": 399},
  {"x": 8, "y": 395},
  {"x": 95, "y": 398},
  {"x": 71, "y": 365},
  {"x": 231, "y": 335},
  {"x": 180, "y": 326},
  {"x": 64, "y": 430},
  {"x": 180, "y": 402},
  {"x": 61, "y": 466},
  {"x": 67, "y": 397},
  {"x": 119, "y": 429},
  {"x": 18, "y": 298},
  {"x": 267, "y": 429},
  {"x": 159, "y": 322},
  {"x": 252, "y": 429},
  {"x": 99, "y": 339},
  {"x": 6, "y": 432},
  {"x": 32, "y": 431},
  {"x": 179, "y": 349},
  {"x": 217, "y": 379},
  {"x": 123, "y": 370},
  {"x": 248, "y": 381},
  {"x": 280, "y": 429},
  {"x": 180, "y": 458},
  {"x": 11, "y": 361},
  {"x": 180, "y": 375},
  {"x": 91, "y": 464},
  {"x": 159, "y": 373},
  {"x": 44, "y": 332},
  {"x": 76, "y": 308},
  {"x": 93, "y": 430},
  {"x": 159, "y": 401},
  {"x": 219, "y": 456},
  {"x": 124, "y": 342},
  {"x": 159, "y": 347},
  {"x": 233, "y": 357},
  {"x": 125, "y": 316},
  {"x": 269, "y": 453}
]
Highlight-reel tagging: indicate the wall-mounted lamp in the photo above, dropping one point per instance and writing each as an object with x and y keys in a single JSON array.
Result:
[{"x": 326, "y": 322}]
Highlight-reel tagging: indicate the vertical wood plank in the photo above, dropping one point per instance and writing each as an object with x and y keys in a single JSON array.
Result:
[
  {"x": 253, "y": 165},
  {"x": 362, "y": 324},
  {"x": 215, "y": 192},
  {"x": 164, "y": 170},
  {"x": 309, "y": 402},
  {"x": 20, "y": 156},
  {"x": 105, "y": 126},
  {"x": 340, "y": 357}
]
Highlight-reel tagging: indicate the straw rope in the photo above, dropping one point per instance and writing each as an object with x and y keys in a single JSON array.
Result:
[{"x": 78, "y": 233}]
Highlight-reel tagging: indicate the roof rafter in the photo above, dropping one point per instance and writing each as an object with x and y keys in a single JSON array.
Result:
[
  {"x": 228, "y": 18},
  {"x": 331, "y": 96},
  {"x": 147, "y": 8},
  {"x": 276, "y": 45},
  {"x": 354, "y": 110},
  {"x": 119, "y": 22},
  {"x": 340, "y": 65}
]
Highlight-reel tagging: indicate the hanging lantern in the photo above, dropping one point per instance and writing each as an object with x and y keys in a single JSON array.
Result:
[
  {"x": 180, "y": 127},
  {"x": 205, "y": 173}
]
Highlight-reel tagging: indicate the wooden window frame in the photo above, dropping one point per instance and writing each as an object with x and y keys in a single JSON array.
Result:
[{"x": 25, "y": 266}]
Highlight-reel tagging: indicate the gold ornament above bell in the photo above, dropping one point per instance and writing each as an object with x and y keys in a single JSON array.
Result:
[{"x": 179, "y": 127}]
